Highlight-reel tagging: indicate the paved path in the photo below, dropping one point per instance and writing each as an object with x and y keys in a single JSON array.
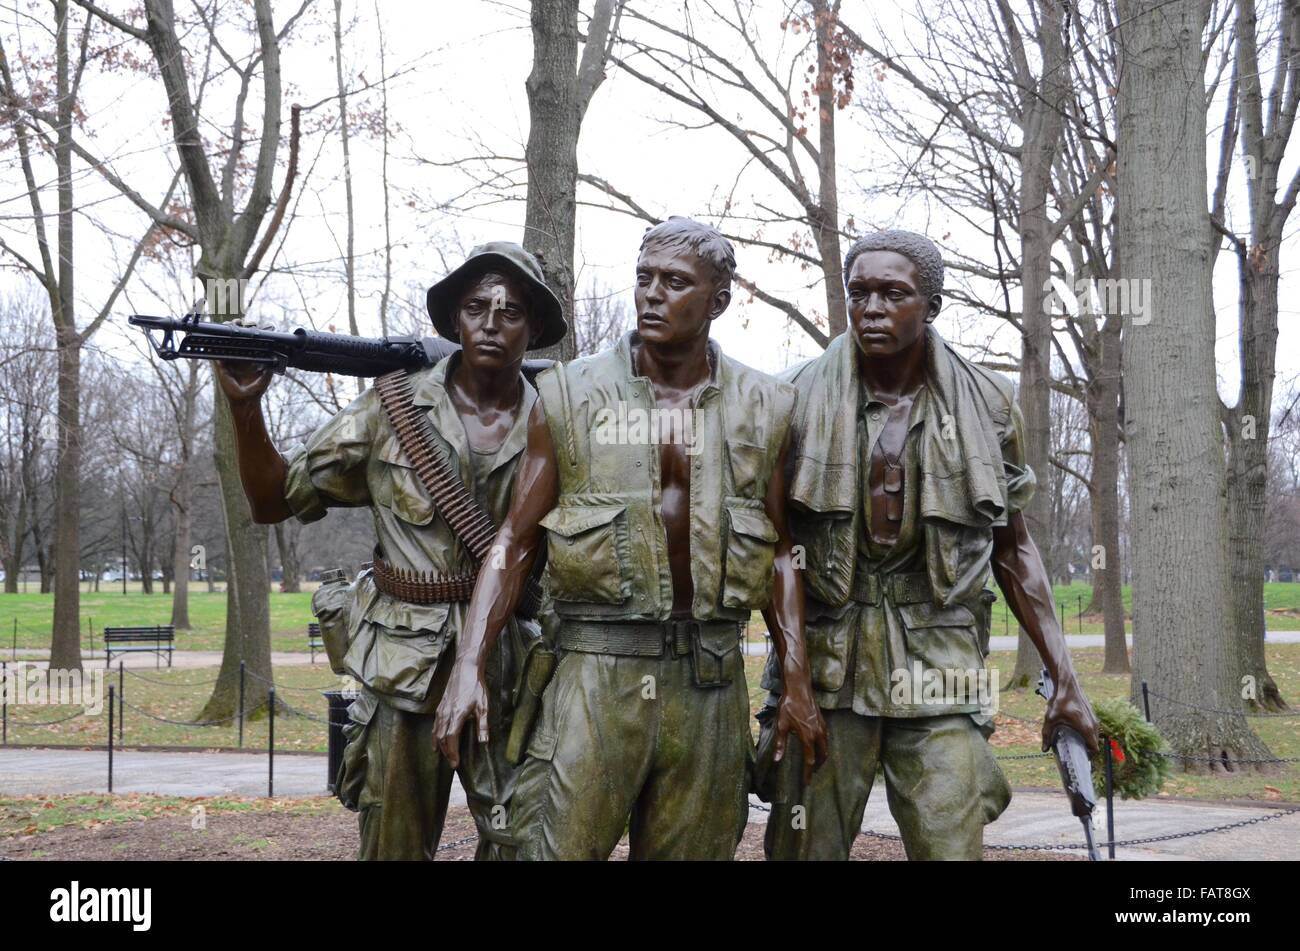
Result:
[
  {"x": 753, "y": 647},
  {"x": 1001, "y": 643},
  {"x": 1033, "y": 818},
  {"x": 1043, "y": 818}
]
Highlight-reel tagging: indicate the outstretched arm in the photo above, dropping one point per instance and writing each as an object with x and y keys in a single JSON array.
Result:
[
  {"x": 1020, "y": 574},
  {"x": 785, "y": 619},
  {"x": 262, "y": 469},
  {"x": 500, "y": 586}
]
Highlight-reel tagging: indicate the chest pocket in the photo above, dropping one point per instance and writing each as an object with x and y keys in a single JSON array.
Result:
[
  {"x": 587, "y": 553},
  {"x": 748, "y": 463},
  {"x": 827, "y": 540},
  {"x": 751, "y": 555},
  {"x": 395, "y": 486}
]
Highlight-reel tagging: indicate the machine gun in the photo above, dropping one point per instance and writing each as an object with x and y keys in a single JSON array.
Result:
[
  {"x": 299, "y": 349},
  {"x": 1075, "y": 766}
]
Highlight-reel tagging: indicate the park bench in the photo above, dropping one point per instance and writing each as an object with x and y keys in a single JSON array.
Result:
[
  {"x": 132, "y": 640},
  {"x": 314, "y": 643}
]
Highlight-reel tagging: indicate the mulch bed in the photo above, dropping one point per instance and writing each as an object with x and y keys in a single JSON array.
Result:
[{"x": 283, "y": 834}]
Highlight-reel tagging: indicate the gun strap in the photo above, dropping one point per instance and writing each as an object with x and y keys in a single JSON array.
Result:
[{"x": 468, "y": 520}]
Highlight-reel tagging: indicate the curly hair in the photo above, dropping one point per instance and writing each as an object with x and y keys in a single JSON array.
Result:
[
  {"x": 678, "y": 234},
  {"x": 917, "y": 248}
]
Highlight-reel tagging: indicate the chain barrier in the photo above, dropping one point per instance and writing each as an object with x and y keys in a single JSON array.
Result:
[
  {"x": 279, "y": 687},
  {"x": 218, "y": 722},
  {"x": 79, "y": 713},
  {"x": 167, "y": 683},
  {"x": 447, "y": 846},
  {"x": 1059, "y": 847},
  {"x": 1146, "y": 840},
  {"x": 1223, "y": 762},
  {"x": 1023, "y": 756}
]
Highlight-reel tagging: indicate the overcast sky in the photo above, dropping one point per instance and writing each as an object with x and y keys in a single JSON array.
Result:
[{"x": 458, "y": 90}]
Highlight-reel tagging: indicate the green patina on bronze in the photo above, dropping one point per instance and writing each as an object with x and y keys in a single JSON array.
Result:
[
  {"x": 399, "y": 651},
  {"x": 873, "y": 611},
  {"x": 654, "y": 729},
  {"x": 606, "y": 553}
]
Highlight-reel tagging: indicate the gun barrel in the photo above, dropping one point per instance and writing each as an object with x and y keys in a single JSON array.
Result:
[{"x": 300, "y": 349}]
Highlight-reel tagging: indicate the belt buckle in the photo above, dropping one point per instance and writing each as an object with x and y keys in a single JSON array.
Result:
[{"x": 875, "y": 589}]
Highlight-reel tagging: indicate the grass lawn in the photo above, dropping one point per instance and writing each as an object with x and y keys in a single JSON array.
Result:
[
  {"x": 180, "y": 695},
  {"x": 290, "y": 614},
  {"x": 29, "y": 615}
]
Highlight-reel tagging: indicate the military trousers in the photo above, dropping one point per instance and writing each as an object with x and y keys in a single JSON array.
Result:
[
  {"x": 399, "y": 782},
  {"x": 942, "y": 783},
  {"x": 632, "y": 743}
]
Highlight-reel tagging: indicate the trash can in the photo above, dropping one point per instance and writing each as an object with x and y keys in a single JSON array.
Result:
[{"x": 339, "y": 701}]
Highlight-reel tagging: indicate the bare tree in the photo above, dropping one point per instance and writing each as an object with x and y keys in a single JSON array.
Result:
[
  {"x": 27, "y": 385},
  {"x": 558, "y": 97},
  {"x": 600, "y": 318},
  {"x": 230, "y": 253},
  {"x": 787, "y": 129},
  {"x": 974, "y": 90},
  {"x": 1266, "y": 121},
  {"x": 35, "y": 124},
  {"x": 1175, "y": 440}
]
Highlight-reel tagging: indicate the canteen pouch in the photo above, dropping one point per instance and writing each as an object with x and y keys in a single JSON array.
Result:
[
  {"x": 711, "y": 650},
  {"x": 330, "y": 605}
]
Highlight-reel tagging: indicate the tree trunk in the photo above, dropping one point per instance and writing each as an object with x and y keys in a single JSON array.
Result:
[
  {"x": 65, "y": 643},
  {"x": 1103, "y": 413},
  {"x": 286, "y": 542},
  {"x": 1042, "y": 133},
  {"x": 181, "y": 554},
  {"x": 826, "y": 221},
  {"x": 1175, "y": 441},
  {"x": 248, "y": 606},
  {"x": 1247, "y": 429},
  {"x": 552, "y": 153}
]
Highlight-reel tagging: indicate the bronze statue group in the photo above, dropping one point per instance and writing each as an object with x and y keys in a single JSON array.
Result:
[{"x": 555, "y": 608}]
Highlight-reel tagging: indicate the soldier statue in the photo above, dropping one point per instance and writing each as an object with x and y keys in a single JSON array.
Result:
[
  {"x": 906, "y": 482},
  {"x": 400, "y": 619}
]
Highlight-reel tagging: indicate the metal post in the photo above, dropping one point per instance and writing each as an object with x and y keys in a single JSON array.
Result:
[
  {"x": 4, "y": 704},
  {"x": 90, "y": 633},
  {"x": 241, "y": 704},
  {"x": 1062, "y": 606},
  {"x": 112, "y": 690},
  {"x": 1080, "y": 614},
  {"x": 121, "y": 700},
  {"x": 1110, "y": 799},
  {"x": 1146, "y": 701},
  {"x": 270, "y": 761},
  {"x": 14, "y": 651},
  {"x": 1006, "y": 620}
]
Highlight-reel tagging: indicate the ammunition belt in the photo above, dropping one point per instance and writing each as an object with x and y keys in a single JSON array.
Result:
[
  {"x": 461, "y": 511},
  {"x": 421, "y": 587},
  {"x": 467, "y": 519}
]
